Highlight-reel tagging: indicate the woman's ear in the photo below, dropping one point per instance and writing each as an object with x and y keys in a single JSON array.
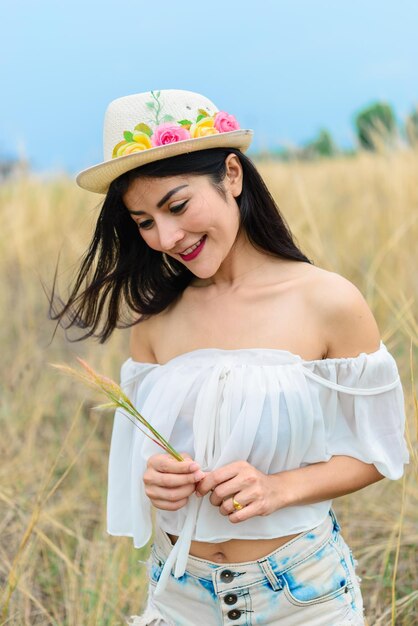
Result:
[{"x": 234, "y": 175}]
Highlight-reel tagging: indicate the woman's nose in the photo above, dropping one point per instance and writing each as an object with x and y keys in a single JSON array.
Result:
[{"x": 170, "y": 237}]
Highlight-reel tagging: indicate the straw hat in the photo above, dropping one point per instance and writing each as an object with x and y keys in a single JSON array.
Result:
[{"x": 150, "y": 126}]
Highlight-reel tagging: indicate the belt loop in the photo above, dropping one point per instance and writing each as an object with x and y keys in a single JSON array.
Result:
[
  {"x": 337, "y": 527},
  {"x": 276, "y": 583}
]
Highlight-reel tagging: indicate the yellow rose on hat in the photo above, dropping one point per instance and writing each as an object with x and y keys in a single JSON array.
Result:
[
  {"x": 137, "y": 141},
  {"x": 203, "y": 128},
  {"x": 142, "y": 138},
  {"x": 136, "y": 146}
]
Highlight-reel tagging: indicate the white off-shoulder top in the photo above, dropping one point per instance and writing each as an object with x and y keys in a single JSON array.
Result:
[{"x": 269, "y": 407}]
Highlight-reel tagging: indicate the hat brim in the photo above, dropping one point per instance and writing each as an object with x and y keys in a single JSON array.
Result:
[{"x": 99, "y": 177}]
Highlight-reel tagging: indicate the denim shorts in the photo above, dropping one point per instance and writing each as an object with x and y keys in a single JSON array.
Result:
[{"x": 309, "y": 581}]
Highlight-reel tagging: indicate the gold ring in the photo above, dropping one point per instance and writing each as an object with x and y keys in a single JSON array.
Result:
[{"x": 237, "y": 506}]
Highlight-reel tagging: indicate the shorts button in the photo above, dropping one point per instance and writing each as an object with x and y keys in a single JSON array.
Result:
[
  {"x": 231, "y": 598},
  {"x": 226, "y": 576},
  {"x": 234, "y": 614}
]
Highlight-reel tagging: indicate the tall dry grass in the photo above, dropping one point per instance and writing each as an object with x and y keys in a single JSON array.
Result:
[{"x": 355, "y": 216}]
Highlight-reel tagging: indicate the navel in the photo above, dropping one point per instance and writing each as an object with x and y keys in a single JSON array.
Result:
[{"x": 219, "y": 557}]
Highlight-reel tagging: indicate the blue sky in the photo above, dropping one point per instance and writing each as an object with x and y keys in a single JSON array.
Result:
[{"x": 283, "y": 68}]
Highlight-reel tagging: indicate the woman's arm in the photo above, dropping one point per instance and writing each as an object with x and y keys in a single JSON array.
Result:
[
  {"x": 323, "y": 481},
  {"x": 262, "y": 494}
]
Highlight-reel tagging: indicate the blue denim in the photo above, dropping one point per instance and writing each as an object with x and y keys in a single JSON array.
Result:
[{"x": 309, "y": 581}]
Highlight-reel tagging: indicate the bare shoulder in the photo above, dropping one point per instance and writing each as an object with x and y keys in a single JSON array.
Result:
[
  {"x": 141, "y": 341},
  {"x": 348, "y": 323}
]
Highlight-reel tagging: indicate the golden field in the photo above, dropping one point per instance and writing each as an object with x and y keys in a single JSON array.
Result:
[{"x": 357, "y": 216}]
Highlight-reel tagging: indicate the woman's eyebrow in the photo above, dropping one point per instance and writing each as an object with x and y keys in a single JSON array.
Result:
[{"x": 162, "y": 201}]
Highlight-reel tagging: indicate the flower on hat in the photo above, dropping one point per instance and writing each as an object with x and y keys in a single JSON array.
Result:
[
  {"x": 134, "y": 142},
  {"x": 205, "y": 126},
  {"x": 169, "y": 133},
  {"x": 224, "y": 122},
  {"x": 167, "y": 130}
]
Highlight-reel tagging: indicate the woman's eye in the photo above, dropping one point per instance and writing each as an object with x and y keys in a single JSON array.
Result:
[
  {"x": 144, "y": 224},
  {"x": 178, "y": 207},
  {"x": 174, "y": 209}
]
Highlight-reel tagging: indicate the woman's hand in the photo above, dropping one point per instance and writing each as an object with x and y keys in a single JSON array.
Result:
[
  {"x": 169, "y": 483},
  {"x": 261, "y": 494},
  {"x": 256, "y": 491}
]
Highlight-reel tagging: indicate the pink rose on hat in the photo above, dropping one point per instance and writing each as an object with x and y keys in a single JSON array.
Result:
[
  {"x": 225, "y": 123},
  {"x": 169, "y": 133}
]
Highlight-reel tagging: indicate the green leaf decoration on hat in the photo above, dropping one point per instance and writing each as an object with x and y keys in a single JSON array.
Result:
[
  {"x": 168, "y": 118},
  {"x": 144, "y": 128},
  {"x": 128, "y": 135},
  {"x": 185, "y": 123},
  {"x": 200, "y": 117},
  {"x": 203, "y": 113},
  {"x": 155, "y": 106}
]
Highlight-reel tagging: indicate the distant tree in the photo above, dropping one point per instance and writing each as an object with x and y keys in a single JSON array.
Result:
[
  {"x": 376, "y": 125},
  {"x": 411, "y": 127},
  {"x": 322, "y": 146}
]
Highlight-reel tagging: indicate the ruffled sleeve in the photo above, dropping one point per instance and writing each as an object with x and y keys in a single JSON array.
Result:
[{"x": 363, "y": 406}]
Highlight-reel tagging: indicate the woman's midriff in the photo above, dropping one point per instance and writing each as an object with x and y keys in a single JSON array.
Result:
[{"x": 235, "y": 550}]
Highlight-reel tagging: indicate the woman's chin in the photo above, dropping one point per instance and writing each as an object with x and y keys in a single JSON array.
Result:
[{"x": 202, "y": 274}]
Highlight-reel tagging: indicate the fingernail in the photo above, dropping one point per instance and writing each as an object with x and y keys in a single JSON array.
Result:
[
  {"x": 194, "y": 466},
  {"x": 199, "y": 495},
  {"x": 199, "y": 475}
]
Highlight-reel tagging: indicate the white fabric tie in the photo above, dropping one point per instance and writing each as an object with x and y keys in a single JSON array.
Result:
[{"x": 212, "y": 431}]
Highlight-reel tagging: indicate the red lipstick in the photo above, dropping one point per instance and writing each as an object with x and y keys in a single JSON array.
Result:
[{"x": 196, "y": 251}]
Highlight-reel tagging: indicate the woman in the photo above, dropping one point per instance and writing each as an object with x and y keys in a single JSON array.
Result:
[{"x": 266, "y": 372}]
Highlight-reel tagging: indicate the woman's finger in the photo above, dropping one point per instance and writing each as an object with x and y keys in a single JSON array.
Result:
[
  {"x": 227, "y": 506},
  {"x": 152, "y": 477},
  {"x": 225, "y": 490},
  {"x": 171, "y": 495},
  {"x": 220, "y": 475},
  {"x": 253, "y": 504},
  {"x": 166, "y": 463},
  {"x": 250, "y": 510},
  {"x": 165, "y": 505}
]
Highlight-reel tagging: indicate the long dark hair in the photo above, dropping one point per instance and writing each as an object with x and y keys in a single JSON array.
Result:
[{"x": 121, "y": 278}]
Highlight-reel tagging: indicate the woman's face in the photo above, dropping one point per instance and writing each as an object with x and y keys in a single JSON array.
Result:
[{"x": 174, "y": 214}]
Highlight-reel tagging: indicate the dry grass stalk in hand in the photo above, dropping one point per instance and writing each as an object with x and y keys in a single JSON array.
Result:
[{"x": 118, "y": 400}]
